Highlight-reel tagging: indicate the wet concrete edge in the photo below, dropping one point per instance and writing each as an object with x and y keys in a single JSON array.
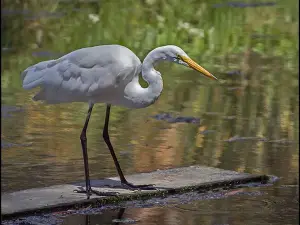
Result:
[{"x": 96, "y": 202}]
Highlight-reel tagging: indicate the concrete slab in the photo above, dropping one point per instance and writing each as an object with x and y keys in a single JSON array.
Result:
[{"x": 169, "y": 181}]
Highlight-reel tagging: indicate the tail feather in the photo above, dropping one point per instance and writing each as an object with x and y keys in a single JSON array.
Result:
[{"x": 33, "y": 76}]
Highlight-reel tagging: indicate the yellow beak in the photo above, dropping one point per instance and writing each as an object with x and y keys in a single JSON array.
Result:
[{"x": 197, "y": 67}]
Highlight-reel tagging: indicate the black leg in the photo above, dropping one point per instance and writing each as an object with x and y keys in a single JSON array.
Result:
[
  {"x": 83, "y": 140},
  {"x": 112, "y": 152}
]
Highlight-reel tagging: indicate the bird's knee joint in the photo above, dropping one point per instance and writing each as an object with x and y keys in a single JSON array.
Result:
[
  {"x": 83, "y": 137},
  {"x": 105, "y": 135}
]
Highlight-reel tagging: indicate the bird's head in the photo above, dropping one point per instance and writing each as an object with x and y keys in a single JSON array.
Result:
[{"x": 175, "y": 54}]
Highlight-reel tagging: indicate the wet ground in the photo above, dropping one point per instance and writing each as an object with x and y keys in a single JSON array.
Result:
[{"x": 234, "y": 206}]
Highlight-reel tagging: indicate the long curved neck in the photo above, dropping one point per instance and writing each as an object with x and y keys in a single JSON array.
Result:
[{"x": 143, "y": 97}]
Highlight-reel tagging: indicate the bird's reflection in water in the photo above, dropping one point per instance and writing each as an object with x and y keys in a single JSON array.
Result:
[
  {"x": 120, "y": 214},
  {"x": 107, "y": 218}
]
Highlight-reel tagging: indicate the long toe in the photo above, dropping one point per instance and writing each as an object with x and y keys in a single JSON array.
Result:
[
  {"x": 139, "y": 187},
  {"x": 105, "y": 193},
  {"x": 80, "y": 190},
  {"x": 83, "y": 191}
]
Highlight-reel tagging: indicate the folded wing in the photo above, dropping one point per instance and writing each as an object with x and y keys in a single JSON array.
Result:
[{"x": 78, "y": 76}]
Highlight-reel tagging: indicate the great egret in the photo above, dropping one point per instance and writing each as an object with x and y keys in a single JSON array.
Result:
[{"x": 104, "y": 74}]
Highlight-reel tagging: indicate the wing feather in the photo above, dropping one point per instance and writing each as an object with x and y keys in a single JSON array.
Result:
[{"x": 81, "y": 74}]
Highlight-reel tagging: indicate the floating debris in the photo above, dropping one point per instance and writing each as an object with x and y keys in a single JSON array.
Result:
[
  {"x": 6, "y": 110},
  {"x": 229, "y": 117},
  {"x": 281, "y": 141},
  {"x": 180, "y": 119},
  {"x": 5, "y": 144},
  {"x": 212, "y": 113},
  {"x": 244, "y": 4},
  {"x": 238, "y": 138},
  {"x": 234, "y": 73}
]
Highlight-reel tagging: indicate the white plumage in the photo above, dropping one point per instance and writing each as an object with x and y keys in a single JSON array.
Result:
[{"x": 90, "y": 74}]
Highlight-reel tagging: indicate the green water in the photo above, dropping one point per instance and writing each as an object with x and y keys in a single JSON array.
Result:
[{"x": 248, "y": 120}]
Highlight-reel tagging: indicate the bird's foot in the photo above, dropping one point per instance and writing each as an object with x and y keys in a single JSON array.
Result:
[
  {"x": 98, "y": 193},
  {"x": 139, "y": 187}
]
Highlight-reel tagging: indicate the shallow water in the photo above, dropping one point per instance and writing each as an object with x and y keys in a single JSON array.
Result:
[{"x": 246, "y": 122}]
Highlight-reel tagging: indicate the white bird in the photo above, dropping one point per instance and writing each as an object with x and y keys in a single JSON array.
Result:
[{"x": 104, "y": 74}]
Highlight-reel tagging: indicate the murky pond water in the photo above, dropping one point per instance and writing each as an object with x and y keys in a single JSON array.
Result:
[
  {"x": 246, "y": 205},
  {"x": 247, "y": 122},
  {"x": 239, "y": 207}
]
